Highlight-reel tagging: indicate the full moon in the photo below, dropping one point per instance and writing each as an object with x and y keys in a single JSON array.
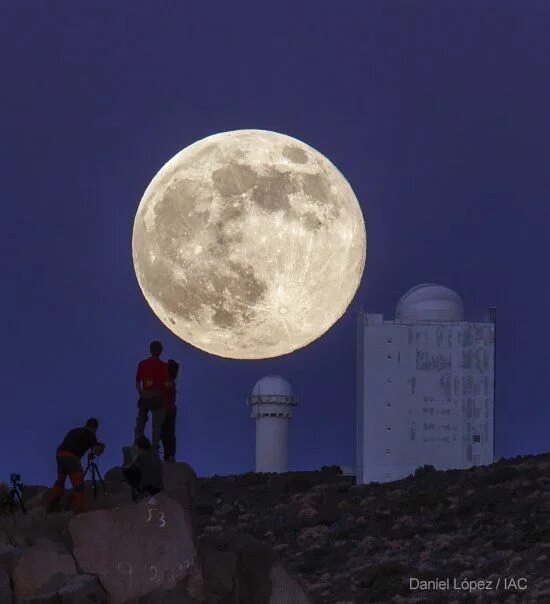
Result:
[{"x": 249, "y": 244}]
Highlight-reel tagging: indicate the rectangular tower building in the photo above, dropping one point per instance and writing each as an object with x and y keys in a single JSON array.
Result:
[{"x": 425, "y": 388}]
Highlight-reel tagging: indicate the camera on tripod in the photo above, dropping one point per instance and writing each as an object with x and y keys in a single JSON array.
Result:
[
  {"x": 94, "y": 470},
  {"x": 14, "y": 499}
]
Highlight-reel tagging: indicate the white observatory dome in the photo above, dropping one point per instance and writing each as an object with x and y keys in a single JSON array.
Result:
[
  {"x": 272, "y": 385},
  {"x": 430, "y": 302}
]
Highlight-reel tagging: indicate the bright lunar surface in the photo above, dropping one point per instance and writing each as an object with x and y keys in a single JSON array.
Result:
[{"x": 249, "y": 244}]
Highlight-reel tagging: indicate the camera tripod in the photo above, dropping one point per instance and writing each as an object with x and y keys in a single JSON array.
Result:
[
  {"x": 94, "y": 471},
  {"x": 16, "y": 495}
]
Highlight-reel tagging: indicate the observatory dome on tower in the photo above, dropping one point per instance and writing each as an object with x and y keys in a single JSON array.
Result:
[
  {"x": 430, "y": 302},
  {"x": 425, "y": 387},
  {"x": 272, "y": 385},
  {"x": 271, "y": 405}
]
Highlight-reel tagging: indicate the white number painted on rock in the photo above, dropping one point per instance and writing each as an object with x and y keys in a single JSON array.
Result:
[
  {"x": 161, "y": 519},
  {"x": 185, "y": 566},
  {"x": 156, "y": 575},
  {"x": 177, "y": 574},
  {"x": 126, "y": 569}
]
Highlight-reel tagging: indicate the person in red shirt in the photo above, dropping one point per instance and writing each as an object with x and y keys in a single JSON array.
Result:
[
  {"x": 152, "y": 380},
  {"x": 169, "y": 425}
]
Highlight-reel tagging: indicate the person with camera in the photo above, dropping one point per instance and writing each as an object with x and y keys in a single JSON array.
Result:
[
  {"x": 152, "y": 379},
  {"x": 68, "y": 457}
]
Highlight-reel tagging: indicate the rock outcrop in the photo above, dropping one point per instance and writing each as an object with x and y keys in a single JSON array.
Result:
[{"x": 142, "y": 552}]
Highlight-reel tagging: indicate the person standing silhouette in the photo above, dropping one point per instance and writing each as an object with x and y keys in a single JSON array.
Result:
[
  {"x": 152, "y": 380},
  {"x": 169, "y": 426}
]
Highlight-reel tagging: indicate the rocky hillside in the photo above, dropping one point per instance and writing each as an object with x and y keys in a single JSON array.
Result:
[
  {"x": 289, "y": 539},
  {"x": 357, "y": 544}
]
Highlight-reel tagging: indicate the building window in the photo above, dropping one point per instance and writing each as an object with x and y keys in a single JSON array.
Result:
[
  {"x": 477, "y": 438},
  {"x": 389, "y": 340},
  {"x": 389, "y": 356}
]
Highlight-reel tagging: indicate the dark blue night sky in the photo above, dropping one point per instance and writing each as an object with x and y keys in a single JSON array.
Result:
[{"x": 436, "y": 112}]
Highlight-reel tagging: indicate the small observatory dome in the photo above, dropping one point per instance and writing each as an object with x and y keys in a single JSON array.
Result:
[
  {"x": 271, "y": 405},
  {"x": 430, "y": 302},
  {"x": 272, "y": 385}
]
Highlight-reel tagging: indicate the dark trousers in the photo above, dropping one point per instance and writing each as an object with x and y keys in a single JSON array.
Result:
[
  {"x": 168, "y": 434},
  {"x": 68, "y": 465},
  {"x": 156, "y": 406}
]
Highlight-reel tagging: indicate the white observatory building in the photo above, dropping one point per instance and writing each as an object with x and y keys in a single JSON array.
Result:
[
  {"x": 271, "y": 405},
  {"x": 425, "y": 387}
]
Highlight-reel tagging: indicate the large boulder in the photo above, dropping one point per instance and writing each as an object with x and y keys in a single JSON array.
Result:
[
  {"x": 138, "y": 548},
  {"x": 40, "y": 571}
]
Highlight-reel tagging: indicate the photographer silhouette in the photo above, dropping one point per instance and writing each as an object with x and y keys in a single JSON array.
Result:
[{"x": 68, "y": 457}]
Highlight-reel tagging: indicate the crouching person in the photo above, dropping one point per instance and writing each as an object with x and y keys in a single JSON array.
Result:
[
  {"x": 68, "y": 457},
  {"x": 144, "y": 473}
]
